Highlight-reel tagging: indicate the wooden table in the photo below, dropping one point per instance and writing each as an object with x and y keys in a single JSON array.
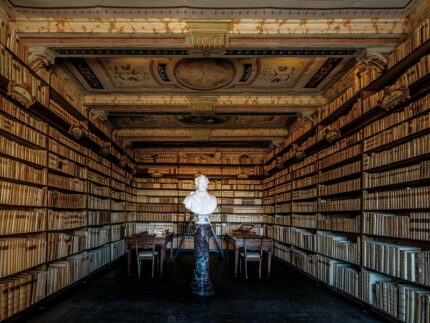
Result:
[
  {"x": 160, "y": 242},
  {"x": 237, "y": 240}
]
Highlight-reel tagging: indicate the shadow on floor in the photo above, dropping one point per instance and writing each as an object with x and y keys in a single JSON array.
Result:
[{"x": 286, "y": 297}]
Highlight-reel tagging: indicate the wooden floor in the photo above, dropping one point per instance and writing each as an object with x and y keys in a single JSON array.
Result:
[{"x": 114, "y": 297}]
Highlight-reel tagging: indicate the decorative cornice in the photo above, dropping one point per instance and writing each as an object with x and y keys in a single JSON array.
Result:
[
  {"x": 202, "y": 105},
  {"x": 94, "y": 100},
  {"x": 40, "y": 58},
  {"x": 40, "y": 27},
  {"x": 208, "y": 33}
]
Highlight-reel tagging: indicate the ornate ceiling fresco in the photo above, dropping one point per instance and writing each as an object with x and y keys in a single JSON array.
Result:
[
  {"x": 190, "y": 72},
  {"x": 209, "y": 9},
  {"x": 131, "y": 74}
]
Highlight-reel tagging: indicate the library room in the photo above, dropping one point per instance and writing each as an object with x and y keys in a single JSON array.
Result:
[{"x": 228, "y": 161}]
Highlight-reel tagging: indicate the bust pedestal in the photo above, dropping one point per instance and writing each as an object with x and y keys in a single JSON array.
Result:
[{"x": 201, "y": 284}]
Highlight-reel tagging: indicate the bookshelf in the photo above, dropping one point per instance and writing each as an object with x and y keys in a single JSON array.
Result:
[
  {"x": 361, "y": 168},
  {"x": 67, "y": 197},
  {"x": 165, "y": 178}
]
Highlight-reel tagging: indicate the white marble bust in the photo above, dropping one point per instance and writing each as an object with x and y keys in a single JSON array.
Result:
[{"x": 200, "y": 202}]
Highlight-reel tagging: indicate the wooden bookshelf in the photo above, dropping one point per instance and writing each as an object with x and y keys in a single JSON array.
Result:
[{"x": 371, "y": 203}]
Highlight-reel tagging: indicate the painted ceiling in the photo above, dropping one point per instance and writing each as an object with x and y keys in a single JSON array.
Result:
[
  {"x": 136, "y": 74},
  {"x": 121, "y": 121},
  {"x": 210, "y": 9},
  {"x": 202, "y": 73}
]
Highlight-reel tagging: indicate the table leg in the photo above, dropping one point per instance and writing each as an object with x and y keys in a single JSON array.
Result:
[
  {"x": 269, "y": 264},
  {"x": 129, "y": 261},
  {"x": 236, "y": 260},
  {"x": 163, "y": 251}
]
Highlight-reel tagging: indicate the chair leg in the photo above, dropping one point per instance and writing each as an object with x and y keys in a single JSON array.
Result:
[
  {"x": 138, "y": 268},
  {"x": 259, "y": 270},
  {"x": 246, "y": 269},
  {"x": 240, "y": 266},
  {"x": 153, "y": 263}
]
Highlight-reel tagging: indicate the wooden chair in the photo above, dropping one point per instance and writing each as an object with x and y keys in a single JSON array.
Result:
[
  {"x": 145, "y": 250},
  {"x": 252, "y": 252}
]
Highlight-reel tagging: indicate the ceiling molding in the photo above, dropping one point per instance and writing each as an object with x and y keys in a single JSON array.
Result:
[
  {"x": 221, "y": 9},
  {"x": 122, "y": 99},
  {"x": 114, "y": 27}
]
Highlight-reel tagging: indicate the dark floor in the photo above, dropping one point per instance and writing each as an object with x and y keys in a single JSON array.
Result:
[{"x": 287, "y": 297}]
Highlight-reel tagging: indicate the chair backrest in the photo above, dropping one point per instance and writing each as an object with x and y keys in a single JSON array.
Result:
[
  {"x": 253, "y": 245},
  {"x": 145, "y": 242}
]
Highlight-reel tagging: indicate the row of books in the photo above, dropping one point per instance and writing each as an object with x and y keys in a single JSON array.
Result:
[
  {"x": 99, "y": 217},
  {"x": 57, "y": 199},
  {"x": 56, "y": 135},
  {"x": 305, "y": 194},
  {"x": 102, "y": 191},
  {"x": 304, "y": 220},
  {"x": 97, "y": 178},
  {"x": 340, "y": 187},
  {"x": 338, "y": 246},
  {"x": 308, "y": 207},
  {"x": 117, "y": 232},
  {"x": 409, "y": 111},
  {"x": 96, "y": 203},
  {"x": 118, "y": 195},
  {"x": 9, "y": 108},
  {"x": 66, "y": 166},
  {"x": 16, "y": 150},
  {"x": 283, "y": 208},
  {"x": 64, "y": 220},
  {"x": 419, "y": 36},
  {"x": 416, "y": 147},
  {"x": 333, "y": 105},
  {"x": 409, "y": 198},
  {"x": 31, "y": 251},
  {"x": 340, "y": 156},
  {"x": 21, "y": 291},
  {"x": 67, "y": 183},
  {"x": 97, "y": 236},
  {"x": 16, "y": 170},
  {"x": 339, "y": 172},
  {"x": 305, "y": 182},
  {"x": 64, "y": 151},
  {"x": 279, "y": 233},
  {"x": 20, "y": 221},
  {"x": 402, "y": 261},
  {"x": 22, "y": 131},
  {"x": 61, "y": 245},
  {"x": 339, "y": 222},
  {"x": 393, "y": 134},
  {"x": 121, "y": 217},
  {"x": 406, "y": 174},
  {"x": 21, "y": 195},
  {"x": 344, "y": 204}
]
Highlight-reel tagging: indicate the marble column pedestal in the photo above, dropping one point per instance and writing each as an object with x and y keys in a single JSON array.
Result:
[{"x": 201, "y": 284}]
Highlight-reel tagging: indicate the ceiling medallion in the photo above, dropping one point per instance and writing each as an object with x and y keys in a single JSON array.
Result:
[{"x": 204, "y": 74}]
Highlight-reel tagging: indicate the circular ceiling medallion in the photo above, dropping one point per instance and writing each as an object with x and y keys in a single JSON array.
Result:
[{"x": 204, "y": 74}]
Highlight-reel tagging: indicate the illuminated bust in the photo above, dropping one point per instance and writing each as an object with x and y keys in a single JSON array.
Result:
[{"x": 201, "y": 202}]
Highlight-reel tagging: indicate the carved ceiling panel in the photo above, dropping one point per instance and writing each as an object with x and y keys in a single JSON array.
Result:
[{"x": 136, "y": 74}]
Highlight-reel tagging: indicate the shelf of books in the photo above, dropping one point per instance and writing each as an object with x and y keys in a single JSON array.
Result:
[
  {"x": 360, "y": 215},
  {"x": 167, "y": 177},
  {"x": 63, "y": 208}
]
